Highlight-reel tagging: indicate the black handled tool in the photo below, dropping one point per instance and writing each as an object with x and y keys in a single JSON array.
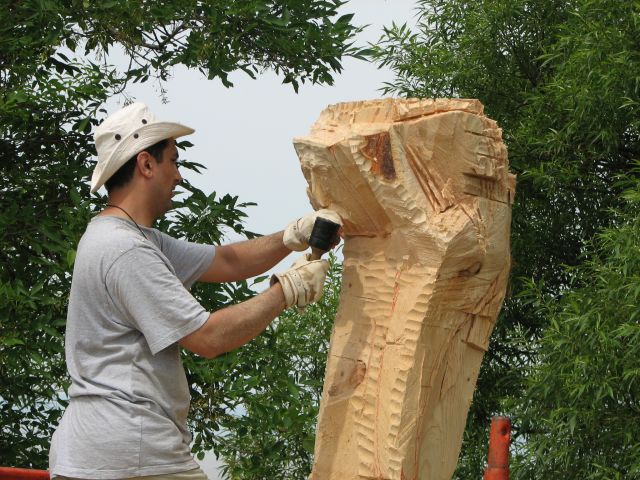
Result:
[{"x": 323, "y": 236}]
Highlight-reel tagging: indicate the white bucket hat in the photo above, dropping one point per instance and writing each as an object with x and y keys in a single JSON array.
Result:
[{"x": 126, "y": 133}]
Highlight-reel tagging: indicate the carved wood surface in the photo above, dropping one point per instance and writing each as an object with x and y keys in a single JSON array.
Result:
[{"x": 425, "y": 194}]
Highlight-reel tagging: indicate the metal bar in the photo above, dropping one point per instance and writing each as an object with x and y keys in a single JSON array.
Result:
[
  {"x": 498, "y": 458},
  {"x": 9, "y": 473}
]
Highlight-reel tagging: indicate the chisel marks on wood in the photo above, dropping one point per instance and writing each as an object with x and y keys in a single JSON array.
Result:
[{"x": 424, "y": 191}]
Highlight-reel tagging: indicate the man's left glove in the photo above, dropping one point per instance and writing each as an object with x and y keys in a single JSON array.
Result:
[
  {"x": 297, "y": 233},
  {"x": 303, "y": 282}
]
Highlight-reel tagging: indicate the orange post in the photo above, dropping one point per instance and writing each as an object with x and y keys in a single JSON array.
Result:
[
  {"x": 9, "y": 473},
  {"x": 498, "y": 460}
]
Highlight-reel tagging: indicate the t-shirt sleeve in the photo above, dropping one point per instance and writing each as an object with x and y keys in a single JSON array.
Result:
[
  {"x": 189, "y": 260},
  {"x": 152, "y": 298}
]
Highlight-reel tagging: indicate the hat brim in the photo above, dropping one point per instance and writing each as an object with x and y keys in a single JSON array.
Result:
[{"x": 130, "y": 145}]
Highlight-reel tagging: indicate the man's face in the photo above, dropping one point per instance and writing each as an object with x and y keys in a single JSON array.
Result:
[{"x": 167, "y": 178}]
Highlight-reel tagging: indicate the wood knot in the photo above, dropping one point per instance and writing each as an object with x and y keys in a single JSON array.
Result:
[
  {"x": 470, "y": 271},
  {"x": 355, "y": 375},
  {"x": 378, "y": 151}
]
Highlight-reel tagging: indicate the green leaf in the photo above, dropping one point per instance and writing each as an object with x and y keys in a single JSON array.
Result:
[
  {"x": 308, "y": 444},
  {"x": 71, "y": 257}
]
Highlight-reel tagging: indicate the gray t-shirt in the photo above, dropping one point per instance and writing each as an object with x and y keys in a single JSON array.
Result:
[{"x": 129, "y": 397}]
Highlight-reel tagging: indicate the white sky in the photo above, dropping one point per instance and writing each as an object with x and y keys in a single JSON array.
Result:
[{"x": 244, "y": 134}]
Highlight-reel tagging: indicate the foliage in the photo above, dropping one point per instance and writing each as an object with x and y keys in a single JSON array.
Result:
[
  {"x": 299, "y": 39},
  {"x": 561, "y": 78},
  {"x": 51, "y": 97},
  {"x": 580, "y": 417},
  {"x": 44, "y": 206},
  {"x": 272, "y": 388}
]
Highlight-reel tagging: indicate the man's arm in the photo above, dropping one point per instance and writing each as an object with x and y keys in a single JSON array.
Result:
[
  {"x": 242, "y": 260},
  {"x": 247, "y": 259},
  {"x": 234, "y": 326}
]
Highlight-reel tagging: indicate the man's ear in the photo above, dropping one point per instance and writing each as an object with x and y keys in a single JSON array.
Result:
[{"x": 144, "y": 164}]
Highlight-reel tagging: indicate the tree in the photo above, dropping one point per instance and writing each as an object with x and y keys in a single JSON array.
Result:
[
  {"x": 271, "y": 431},
  {"x": 45, "y": 153},
  {"x": 579, "y": 418},
  {"x": 561, "y": 79},
  {"x": 51, "y": 96}
]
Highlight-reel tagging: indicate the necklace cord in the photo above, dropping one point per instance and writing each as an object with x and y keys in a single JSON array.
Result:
[{"x": 130, "y": 218}]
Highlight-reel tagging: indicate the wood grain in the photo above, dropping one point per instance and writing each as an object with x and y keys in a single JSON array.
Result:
[{"x": 425, "y": 193}]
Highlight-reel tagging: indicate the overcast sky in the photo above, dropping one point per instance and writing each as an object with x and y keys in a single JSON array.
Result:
[{"x": 244, "y": 134}]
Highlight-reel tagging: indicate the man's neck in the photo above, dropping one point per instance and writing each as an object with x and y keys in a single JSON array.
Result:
[{"x": 129, "y": 208}]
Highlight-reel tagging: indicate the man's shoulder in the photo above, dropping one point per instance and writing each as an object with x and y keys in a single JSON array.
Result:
[{"x": 108, "y": 238}]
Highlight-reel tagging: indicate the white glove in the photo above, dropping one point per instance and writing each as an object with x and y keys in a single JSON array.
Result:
[
  {"x": 303, "y": 282},
  {"x": 297, "y": 233}
]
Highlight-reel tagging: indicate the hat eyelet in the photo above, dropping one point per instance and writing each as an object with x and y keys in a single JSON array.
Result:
[
  {"x": 118, "y": 137},
  {"x": 144, "y": 121},
  {"x": 135, "y": 135}
]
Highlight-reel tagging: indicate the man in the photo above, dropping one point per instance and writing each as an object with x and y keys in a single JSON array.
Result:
[{"x": 130, "y": 310}]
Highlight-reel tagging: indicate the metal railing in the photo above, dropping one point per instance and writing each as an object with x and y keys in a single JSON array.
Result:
[
  {"x": 498, "y": 458},
  {"x": 9, "y": 473}
]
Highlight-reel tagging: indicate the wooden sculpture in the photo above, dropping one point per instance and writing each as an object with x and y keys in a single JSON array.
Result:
[{"x": 425, "y": 194}]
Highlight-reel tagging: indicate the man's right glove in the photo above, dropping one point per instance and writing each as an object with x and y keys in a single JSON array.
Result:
[
  {"x": 297, "y": 233},
  {"x": 303, "y": 282}
]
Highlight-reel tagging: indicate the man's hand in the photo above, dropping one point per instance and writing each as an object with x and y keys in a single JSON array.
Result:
[
  {"x": 303, "y": 282},
  {"x": 297, "y": 233}
]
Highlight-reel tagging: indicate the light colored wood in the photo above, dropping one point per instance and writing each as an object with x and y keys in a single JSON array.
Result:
[{"x": 425, "y": 193}]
